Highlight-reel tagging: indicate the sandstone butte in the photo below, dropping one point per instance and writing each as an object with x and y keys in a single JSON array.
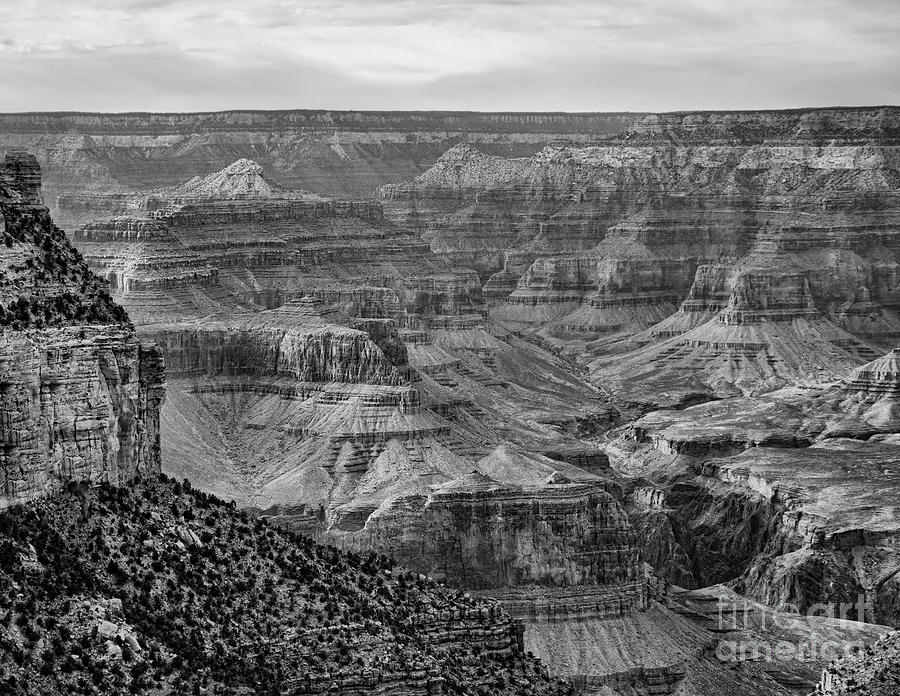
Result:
[{"x": 609, "y": 371}]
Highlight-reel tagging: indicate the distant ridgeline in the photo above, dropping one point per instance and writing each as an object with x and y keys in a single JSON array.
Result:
[{"x": 93, "y": 161}]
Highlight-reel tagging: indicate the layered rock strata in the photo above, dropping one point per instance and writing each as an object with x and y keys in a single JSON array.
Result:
[
  {"x": 79, "y": 404},
  {"x": 357, "y": 407},
  {"x": 717, "y": 495},
  {"x": 206, "y": 247},
  {"x": 712, "y": 265},
  {"x": 862, "y": 406},
  {"x": 95, "y": 163},
  {"x": 353, "y": 304},
  {"x": 558, "y": 551},
  {"x": 79, "y": 393}
]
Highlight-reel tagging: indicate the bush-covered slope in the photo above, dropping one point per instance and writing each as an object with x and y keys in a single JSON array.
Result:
[
  {"x": 44, "y": 281},
  {"x": 160, "y": 589}
]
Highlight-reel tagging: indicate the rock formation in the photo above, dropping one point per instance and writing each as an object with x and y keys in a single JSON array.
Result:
[
  {"x": 95, "y": 163},
  {"x": 710, "y": 254},
  {"x": 786, "y": 494},
  {"x": 368, "y": 341},
  {"x": 370, "y": 404},
  {"x": 79, "y": 393},
  {"x": 872, "y": 671}
]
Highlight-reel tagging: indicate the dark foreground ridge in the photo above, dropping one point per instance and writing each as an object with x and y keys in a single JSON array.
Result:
[{"x": 160, "y": 589}]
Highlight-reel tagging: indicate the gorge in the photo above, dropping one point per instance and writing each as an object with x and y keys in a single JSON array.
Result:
[{"x": 605, "y": 371}]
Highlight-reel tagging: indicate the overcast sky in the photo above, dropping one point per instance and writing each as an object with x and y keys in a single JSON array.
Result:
[{"x": 556, "y": 55}]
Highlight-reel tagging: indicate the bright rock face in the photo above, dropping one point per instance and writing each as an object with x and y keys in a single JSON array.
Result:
[{"x": 79, "y": 394}]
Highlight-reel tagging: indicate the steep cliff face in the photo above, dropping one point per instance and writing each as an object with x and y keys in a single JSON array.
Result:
[
  {"x": 78, "y": 405},
  {"x": 79, "y": 394},
  {"x": 827, "y": 540},
  {"x": 556, "y": 552},
  {"x": 553, "y": 545},
  {"x": 317, "y": 352}
]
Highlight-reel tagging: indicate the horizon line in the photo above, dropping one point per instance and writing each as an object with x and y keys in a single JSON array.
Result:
[{"x": 792, "y": 109}]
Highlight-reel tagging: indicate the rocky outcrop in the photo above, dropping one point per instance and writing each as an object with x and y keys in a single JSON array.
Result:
[
  {"x": 556, "y": 552},
  {"x": 879, "y": 378},
  {"x": 241, "y": 179},
  {"x": 77, "y": 405},
  {"x": 734, "y": 507},
  {"x": 862, "y": 405},
  {"x": 44, "y": 281},
  {"x": 835, "y": 538},
  {"x": 79, "y": 393},
  {"x": 310, "y": 354},
  {"x": 215, "y": 247}
]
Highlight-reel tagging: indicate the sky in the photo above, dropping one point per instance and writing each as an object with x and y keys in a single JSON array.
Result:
[{"x": 479, "y": 55}]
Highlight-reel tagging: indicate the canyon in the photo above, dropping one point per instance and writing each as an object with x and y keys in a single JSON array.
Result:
[
  {"x": 608, "y": 371},
  {"x": 111, "y": 563}
]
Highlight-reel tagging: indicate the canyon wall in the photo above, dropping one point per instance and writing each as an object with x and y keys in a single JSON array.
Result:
[
  {"x": 79, "y": 393},
  {"x": 700, "y": 252},
  {"x": 93, "y": 161},
  {"x": 327, "y": 369},
  {"x": 785, "y": 495}
]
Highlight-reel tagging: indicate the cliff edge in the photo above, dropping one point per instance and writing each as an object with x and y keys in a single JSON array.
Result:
[{"x": 79, "y": 394}]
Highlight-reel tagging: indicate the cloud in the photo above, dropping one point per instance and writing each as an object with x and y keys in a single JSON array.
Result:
[{"x": 466, "y": 54}]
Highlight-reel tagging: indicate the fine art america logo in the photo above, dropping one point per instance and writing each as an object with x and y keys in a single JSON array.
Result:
[{"x": 785, "y": 628}]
